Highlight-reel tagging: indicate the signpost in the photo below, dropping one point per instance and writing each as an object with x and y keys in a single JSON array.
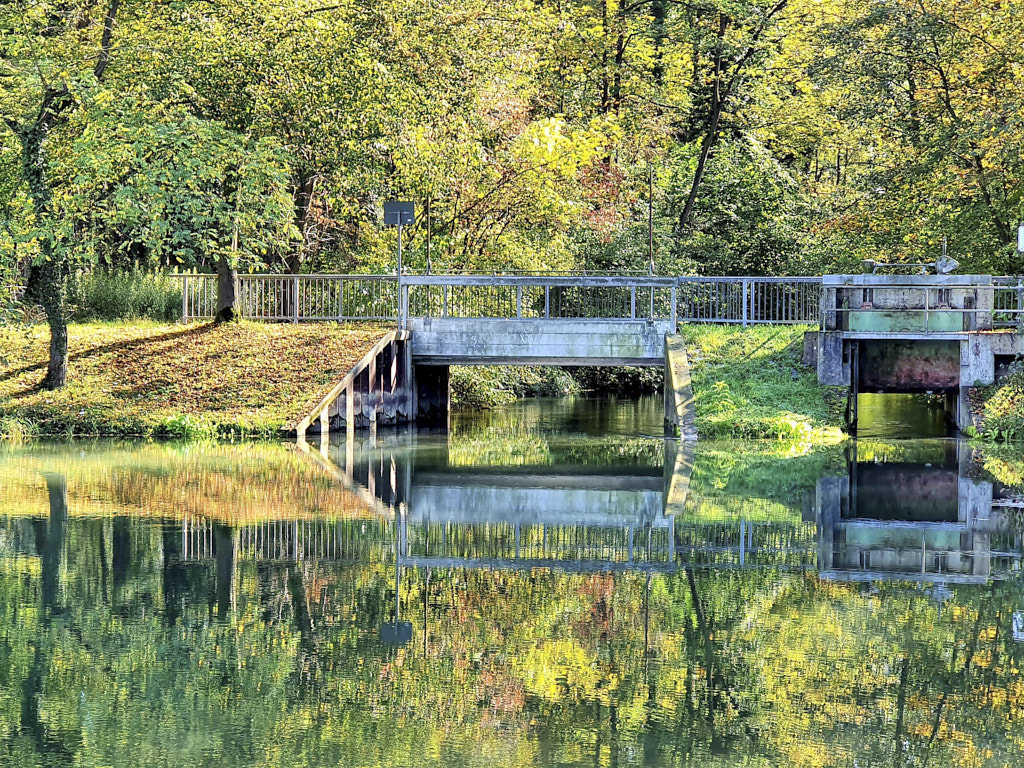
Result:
[{"x": 399, "y": 214}]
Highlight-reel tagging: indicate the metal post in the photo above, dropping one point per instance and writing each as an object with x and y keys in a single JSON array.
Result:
[
  {"x": 674, "y": 315},
  {"x": 632, "y": 301},
  {"x": 746, "y": 296},
  {"x": 401, "y": 295},
  {"x": 547, "y": 301},
  {"x": 519, "y": 301},
  {"x": 650, "y": 216},
  {"x": 1020, "y": 301},
  {"x": 184, "y": 300},
  {"x": 295, "y": 298}
]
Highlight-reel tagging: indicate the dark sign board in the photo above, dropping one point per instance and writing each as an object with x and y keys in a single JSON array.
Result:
[
  {"x": 396, "y": 633},
  {"x": 397, "y": 214}
]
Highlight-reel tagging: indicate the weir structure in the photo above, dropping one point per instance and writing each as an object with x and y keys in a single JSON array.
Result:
[
  {"x": 937, "y": 334},
  {"x": 940, "y": 334}
]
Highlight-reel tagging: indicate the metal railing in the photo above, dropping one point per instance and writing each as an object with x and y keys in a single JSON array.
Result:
[
  {"x": 1007, "y": 302},
  {"x": 346, "y": 297},
  {"x": 554, "y": 298},
  {"x": 750, "y": 300},
  {"x": 296, "y": 298}
]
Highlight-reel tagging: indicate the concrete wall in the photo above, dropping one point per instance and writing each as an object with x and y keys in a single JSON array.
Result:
[
  {"x": 485, "y": 341},
  {"x": 907, "y": 366}
]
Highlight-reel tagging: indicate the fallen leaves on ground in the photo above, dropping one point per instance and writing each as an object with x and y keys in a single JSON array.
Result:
[{"x": 130, "y": 378}]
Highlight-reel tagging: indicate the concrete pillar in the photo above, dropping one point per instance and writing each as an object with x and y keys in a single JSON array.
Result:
[{"x": 433, "y": 395}]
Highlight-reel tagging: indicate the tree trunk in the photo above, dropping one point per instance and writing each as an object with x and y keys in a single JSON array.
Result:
[
  {"x": 227, "y": 291},
  {"x": 711, "y": 135},
  {"x": 57, "y": 367},
  {"x": 51, "y": 275}
]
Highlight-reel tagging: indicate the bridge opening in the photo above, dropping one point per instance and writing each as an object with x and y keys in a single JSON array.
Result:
[
  {"x": 904, "y": 388},
  {"x": 903, "y": 415}
]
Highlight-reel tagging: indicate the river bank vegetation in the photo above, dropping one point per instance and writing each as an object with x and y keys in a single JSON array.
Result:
[{"x": 151, "y": 379}]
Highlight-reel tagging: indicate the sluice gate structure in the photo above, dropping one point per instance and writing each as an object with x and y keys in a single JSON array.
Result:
[{"x": 939, "y": 334}]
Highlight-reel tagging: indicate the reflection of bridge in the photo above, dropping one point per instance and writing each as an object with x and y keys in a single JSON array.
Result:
[
  {"x": 586, "y": 517},
  {"x": 928, "y": 522}
]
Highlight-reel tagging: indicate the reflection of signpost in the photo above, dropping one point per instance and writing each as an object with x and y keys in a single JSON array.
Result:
[
  {"x": 397, "y": 633},
  {"x": 1018, "y": 626}
]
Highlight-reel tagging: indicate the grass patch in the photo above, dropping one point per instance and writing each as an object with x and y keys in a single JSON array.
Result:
[
  {"x": 751, "y": 383},
  {"x": 126, "y": 295},
  {"x": 999, "y": 408},
  {"x": 150, "y": 379}
]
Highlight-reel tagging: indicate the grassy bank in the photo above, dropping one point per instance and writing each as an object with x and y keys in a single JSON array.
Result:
[
  {"x": 751, "y": 383},
  {"x": 154, "y": 379},
  {"x": 999, "y": 409}
]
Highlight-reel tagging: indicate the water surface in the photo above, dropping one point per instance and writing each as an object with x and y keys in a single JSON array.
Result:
[{"x": 551, "y": 585}]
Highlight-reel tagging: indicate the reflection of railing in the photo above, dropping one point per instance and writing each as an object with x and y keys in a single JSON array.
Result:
[{"x": 292, "y": 540}]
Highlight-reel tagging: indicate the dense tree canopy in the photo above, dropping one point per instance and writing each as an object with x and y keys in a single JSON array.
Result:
[
  {"x": 785, "y": 136},
  {"x": 757, "y": 136}
]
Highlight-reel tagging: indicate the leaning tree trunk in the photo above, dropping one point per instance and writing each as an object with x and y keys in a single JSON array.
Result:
[{"x": 227, "y": 291}]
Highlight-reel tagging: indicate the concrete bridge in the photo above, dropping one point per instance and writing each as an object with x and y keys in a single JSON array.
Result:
[{"x": 877, "y": 333}]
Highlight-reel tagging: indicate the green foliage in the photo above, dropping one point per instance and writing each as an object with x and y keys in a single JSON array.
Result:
[
  {"x": 130, "y": 295},
  {"x": 482, "y": 387},
  {"x": 535, "y": 143},
  {"x": 15, "y": 430},
  {"x": 1000, "y": 407},
  {"x": 750, "y": 382},
  {"x": 619, "y": 380}
]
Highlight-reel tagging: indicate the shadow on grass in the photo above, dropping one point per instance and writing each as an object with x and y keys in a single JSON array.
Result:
[{"x": 128, "y": 344}]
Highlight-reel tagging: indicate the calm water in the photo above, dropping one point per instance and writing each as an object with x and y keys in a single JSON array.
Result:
[
  {"x": 545, "y": 586},
  {"x": 901, "y": 416}
]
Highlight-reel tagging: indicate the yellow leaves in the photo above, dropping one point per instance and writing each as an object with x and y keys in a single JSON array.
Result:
[{"x": 556, "y": 667}]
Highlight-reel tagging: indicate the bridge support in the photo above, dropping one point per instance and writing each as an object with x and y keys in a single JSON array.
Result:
[
  {"x": 432, "y": 395},
  {"x": 680, "y": 413}
]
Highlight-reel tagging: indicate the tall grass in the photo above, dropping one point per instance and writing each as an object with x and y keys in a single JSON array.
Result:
[{"x": 126, "y": 295}]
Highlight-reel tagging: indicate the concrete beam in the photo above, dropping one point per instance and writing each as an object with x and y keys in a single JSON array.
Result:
[{"x": 538, "y": 341}]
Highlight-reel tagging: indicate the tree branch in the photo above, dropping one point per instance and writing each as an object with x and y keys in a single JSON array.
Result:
[{"x": 105, "y": 40}]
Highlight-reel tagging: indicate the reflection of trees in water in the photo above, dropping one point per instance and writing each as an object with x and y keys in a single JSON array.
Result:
[
  {"x": 115, "y": 648},
  {"x": 692, "y": 667}
]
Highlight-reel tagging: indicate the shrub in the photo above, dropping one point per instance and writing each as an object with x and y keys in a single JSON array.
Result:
[
  {"x": 484, "y": 387},
  {"x": 15, "y": 430},
  {"x": 131, "y": 295}
]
